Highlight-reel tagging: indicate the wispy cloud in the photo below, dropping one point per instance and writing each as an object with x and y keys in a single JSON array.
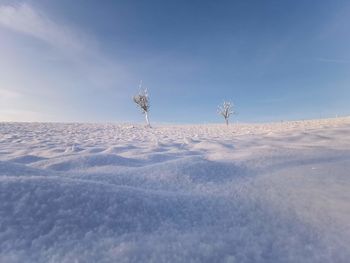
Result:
[
  {"x": 23, "y": 115},
  {"x": 67, "y": 70},
  {"x": 6, "y": 94},
  {"x": 72, "y": 43},
  {"x": 330, "y": 60},
  {"x": 27, "y": 20}
]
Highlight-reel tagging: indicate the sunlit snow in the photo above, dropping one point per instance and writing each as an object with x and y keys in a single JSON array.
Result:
[{"x": 193, "y": 193}]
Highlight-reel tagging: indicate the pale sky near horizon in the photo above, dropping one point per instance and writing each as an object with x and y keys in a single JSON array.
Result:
[{"x": 82, "y": 60}]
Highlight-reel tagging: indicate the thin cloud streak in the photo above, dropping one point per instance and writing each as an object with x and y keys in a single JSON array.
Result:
[
  {"x": 6, "y": 94},
  {"x": 23, "y": 115},
  {"x": 37, "y": 81},
  {"x": 329, "y": 60},
  {"x": 24, "y": 19},
  {"x": 74, "y": 46}
]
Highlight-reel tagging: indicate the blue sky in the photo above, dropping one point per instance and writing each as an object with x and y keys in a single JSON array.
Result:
[{"x": 82, "y": 60}]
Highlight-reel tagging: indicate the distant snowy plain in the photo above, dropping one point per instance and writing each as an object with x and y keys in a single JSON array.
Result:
[{"x": 275, "y": 192}]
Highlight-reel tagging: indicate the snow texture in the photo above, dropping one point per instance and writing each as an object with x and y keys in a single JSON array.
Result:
[{"x": 275, "y": 192}]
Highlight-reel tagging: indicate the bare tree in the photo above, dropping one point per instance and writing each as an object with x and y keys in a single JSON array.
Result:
[
  {"x": 142, "y": 100},
  {"x": 226, "y": 110}
]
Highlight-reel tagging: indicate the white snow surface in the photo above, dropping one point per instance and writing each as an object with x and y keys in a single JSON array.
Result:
[{"x": 276, "y": 192}]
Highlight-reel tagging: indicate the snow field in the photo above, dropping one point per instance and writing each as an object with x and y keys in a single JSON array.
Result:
[{"x": 193, "y": 193}]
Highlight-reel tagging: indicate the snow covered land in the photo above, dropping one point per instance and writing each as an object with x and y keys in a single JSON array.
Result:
[{"x": 275, "y": 192}]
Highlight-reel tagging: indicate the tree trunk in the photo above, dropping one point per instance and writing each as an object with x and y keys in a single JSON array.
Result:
[
  {"x": 226, "y": 120},
  {"x": 147, "y": 121}
]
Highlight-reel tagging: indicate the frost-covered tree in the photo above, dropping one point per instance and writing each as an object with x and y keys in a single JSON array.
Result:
[
  {"x": 226, "y": 110},
  {"x": 142, "y": 101}
]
